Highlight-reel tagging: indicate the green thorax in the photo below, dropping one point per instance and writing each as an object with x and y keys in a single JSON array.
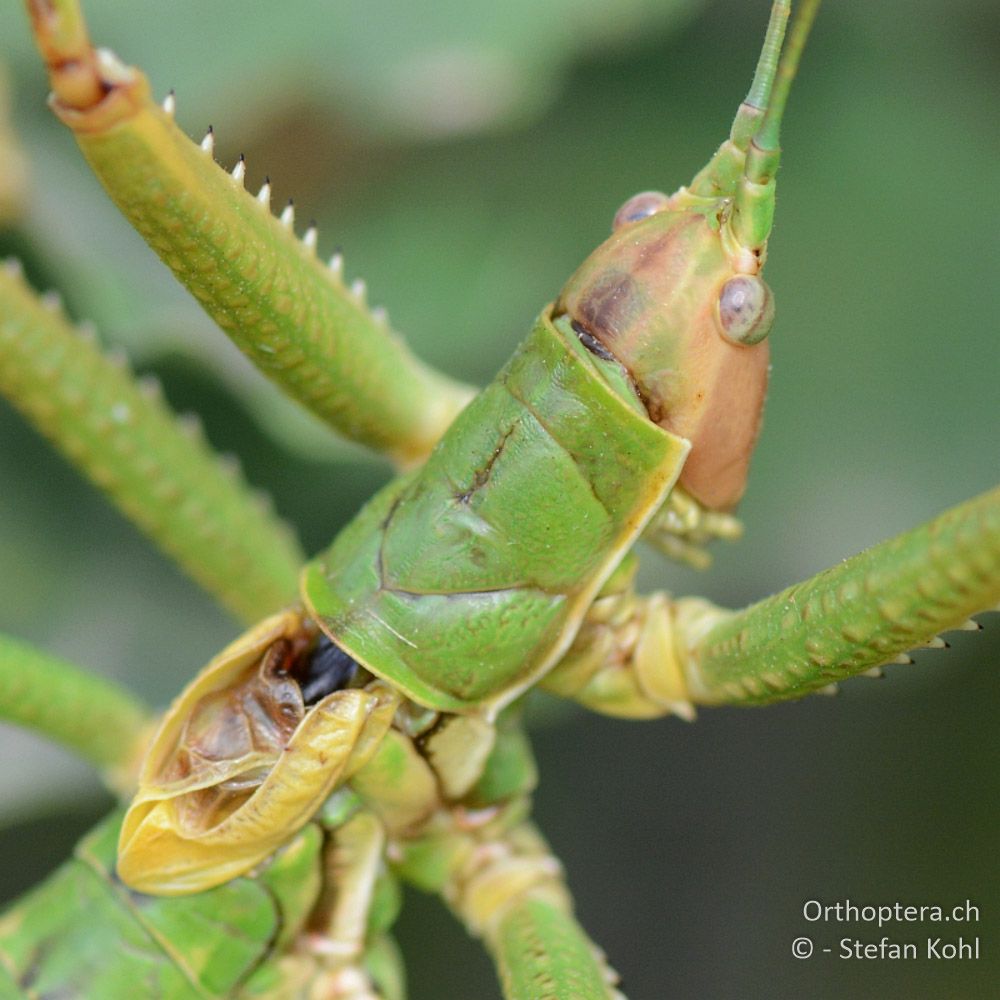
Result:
[{"x": 462, "y": 583}]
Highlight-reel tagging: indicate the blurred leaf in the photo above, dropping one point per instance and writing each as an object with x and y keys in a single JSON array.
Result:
[{"x": 431, "y": 68}]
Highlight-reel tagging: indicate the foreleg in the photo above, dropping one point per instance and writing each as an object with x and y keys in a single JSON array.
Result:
[{"x": 646, "y": 656}]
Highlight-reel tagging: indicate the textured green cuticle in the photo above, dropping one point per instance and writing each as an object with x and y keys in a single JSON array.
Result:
[
  {"x": 862, "y": 613},
  {"x": 542, "y": 952},
  {"x": 157, "y": 469},
  {"x": 292, "y": 316},
  {"x": 460, "y": 583},
  {"x": 93, "y": 717}
]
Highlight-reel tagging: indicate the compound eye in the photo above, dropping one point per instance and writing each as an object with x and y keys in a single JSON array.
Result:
[
  {"x": 639, "y": 206},
  {"x": 746, "y": 310}
]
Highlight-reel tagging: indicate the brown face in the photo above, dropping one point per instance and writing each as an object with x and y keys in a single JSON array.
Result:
[{"x": 663, "y": 296}]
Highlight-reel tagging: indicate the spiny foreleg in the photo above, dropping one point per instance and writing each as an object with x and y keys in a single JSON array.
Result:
[
  {"x": 295, "y": 318},
  {"x": 647, "y": 656}
]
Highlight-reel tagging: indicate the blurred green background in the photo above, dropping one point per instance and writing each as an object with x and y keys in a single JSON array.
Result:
[{"x": 466, "y": 156}]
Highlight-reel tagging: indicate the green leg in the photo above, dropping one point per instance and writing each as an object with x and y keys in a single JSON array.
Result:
[
  {"x": 92, "y": 717},
  {"x": 477, "y": 851},
  {"x": 344, "y": 951},
  {"x": 542, "y": 952},
  {"x": 157, "y": 469},
  {"x": 338, "y": 927},
  {"x": 503, "y": 884},
  {"x": 295, "y": 318},
  {"x": 508, "y": 889},
  {"x": 867, "y": 611},
  {"x": 642, "y": 657}
]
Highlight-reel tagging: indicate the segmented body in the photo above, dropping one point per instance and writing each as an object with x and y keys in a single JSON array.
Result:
[{"x": 459, "y": 587}]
